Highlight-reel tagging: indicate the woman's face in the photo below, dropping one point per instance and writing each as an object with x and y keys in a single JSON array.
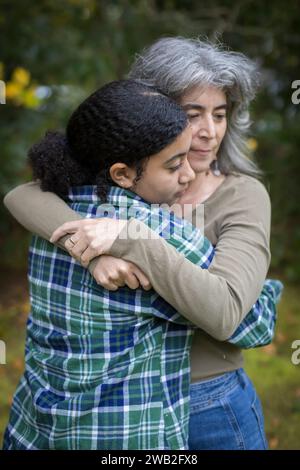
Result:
[{"x": 206, "y": 108}]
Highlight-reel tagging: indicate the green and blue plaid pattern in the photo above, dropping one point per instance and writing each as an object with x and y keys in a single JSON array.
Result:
[
  {"x": 258, "y": 327},
  {"x": 108, "y": 370},
  {"x": 104, "y": 370}
]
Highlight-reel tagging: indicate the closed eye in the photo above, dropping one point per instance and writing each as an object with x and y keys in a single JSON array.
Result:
[
  {"x": 219, "y": 117},
  {"x": 192, "y": 116},
  {"x": 174, "y": 168}
]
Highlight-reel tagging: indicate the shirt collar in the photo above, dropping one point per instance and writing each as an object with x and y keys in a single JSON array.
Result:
[{"x": 116, "y": 196}]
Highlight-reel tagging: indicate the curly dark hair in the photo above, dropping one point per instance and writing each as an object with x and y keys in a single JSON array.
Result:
[{"x": 124, "y": 121}]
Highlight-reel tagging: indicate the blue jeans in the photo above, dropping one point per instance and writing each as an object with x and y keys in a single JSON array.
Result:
[{"x": 226, "y": 413}]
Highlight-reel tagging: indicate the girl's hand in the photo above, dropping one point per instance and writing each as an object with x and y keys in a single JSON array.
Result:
[
  {"x": 90, "y": 237},
  {"x": 112, "y": 273}
]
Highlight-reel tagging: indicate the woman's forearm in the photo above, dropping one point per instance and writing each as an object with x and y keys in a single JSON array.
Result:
[
  {"x": 38, "y": 211},
  {"x": 41, "y": 212},
  {"x": 207, "y": 300}
]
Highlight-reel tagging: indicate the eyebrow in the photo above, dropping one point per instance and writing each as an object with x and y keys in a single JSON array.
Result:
[
  {"x": 179, "y": 155},
  {"x": 189, "y": 106}
]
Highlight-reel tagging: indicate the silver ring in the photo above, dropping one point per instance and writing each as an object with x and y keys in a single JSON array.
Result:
[{"x": 72, "y": 241}]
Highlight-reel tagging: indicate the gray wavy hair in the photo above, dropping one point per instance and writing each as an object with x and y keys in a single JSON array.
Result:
[{"x": 175, "y": 65}]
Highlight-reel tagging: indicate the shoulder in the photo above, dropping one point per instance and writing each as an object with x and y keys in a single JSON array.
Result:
[
  {"x": 245, "y": 192},
  {"x": 241, "y": 200},
  {"x": 245, "y": 184}
]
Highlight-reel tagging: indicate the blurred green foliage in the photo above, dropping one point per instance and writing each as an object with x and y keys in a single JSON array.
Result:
[{"x": 53, "y": 53}]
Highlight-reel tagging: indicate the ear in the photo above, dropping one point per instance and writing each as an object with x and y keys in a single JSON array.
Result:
[{"x": 122, "y": 175}]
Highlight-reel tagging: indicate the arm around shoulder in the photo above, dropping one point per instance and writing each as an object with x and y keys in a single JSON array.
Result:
[{"x": 40, "y": 212}]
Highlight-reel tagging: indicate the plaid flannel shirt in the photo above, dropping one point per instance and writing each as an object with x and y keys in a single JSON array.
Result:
[{"x": 105, "y": 370}]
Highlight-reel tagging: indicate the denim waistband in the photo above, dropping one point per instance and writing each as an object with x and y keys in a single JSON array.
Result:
[{"x": 216, "y": 388}]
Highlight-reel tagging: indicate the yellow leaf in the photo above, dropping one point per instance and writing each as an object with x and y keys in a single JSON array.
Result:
[
  {"x": 252, "y": 144},
  {"x": 21, "y": 76},
  {"x": 13, "y": 90},
  {"x": 30, "y": 100}
]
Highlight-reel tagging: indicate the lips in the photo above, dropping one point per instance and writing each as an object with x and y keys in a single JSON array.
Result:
[
  {"x": 181, "y": 193},
  {"x": 201, "y": 150}
]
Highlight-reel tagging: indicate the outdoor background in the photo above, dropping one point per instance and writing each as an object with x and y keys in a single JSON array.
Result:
[{"x": 54, "y": 53}]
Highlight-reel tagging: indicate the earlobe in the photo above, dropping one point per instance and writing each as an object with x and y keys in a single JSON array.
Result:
[{"x": 122, "y": 175}]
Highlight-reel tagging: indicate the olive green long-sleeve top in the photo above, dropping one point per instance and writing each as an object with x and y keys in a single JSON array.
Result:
[{"x": 237, "y": 221}]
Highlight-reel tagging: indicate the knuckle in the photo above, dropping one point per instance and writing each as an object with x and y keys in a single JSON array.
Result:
[
  {"x": 101, "y": 281},
  {"x": 112, "y": 287},
  {"x": 123, "y": 270}
]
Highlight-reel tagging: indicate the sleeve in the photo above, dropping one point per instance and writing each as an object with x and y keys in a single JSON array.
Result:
[
  {"x": 216, "y": 300},
  {"x": 258, "y": 327},
  {"x": 41, "y": 212}
]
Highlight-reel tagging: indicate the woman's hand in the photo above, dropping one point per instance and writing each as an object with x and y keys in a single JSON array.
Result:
[
  {"x": 90, "y": 237},
  {"x": 112, "y": 273}
]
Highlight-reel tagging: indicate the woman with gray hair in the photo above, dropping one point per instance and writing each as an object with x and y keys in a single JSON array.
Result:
[
  {"x": 177, "y": 66},
  {"x": 215, "y": 87}
]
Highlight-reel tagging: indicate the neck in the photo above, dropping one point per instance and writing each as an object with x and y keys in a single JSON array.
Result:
[
  {"x": 203, "y": 186},
  {"x": 202, "y": 180}
]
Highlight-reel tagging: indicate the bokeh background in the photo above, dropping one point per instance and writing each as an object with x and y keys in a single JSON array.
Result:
[{"x": 54, "y": 53}]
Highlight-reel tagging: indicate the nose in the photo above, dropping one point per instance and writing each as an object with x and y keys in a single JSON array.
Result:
[
  {"x": 187, "y": 174},
  {"x": 207, "y": 128}
]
